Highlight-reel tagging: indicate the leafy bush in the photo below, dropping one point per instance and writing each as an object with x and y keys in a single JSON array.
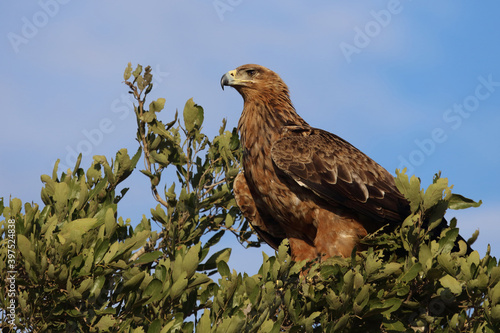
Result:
[{"x": 80, "y": 267}]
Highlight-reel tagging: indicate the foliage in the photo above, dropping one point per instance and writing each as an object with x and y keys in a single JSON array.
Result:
[{"x": 80, "y": 267}]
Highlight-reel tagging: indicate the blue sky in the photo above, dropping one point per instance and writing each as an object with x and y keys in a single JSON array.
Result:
[{"x": 410, "y": 83}]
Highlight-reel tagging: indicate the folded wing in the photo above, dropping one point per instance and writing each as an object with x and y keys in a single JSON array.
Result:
[{"x": 339, "y": 173}]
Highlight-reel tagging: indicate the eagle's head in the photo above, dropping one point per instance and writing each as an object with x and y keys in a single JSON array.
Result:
[{"x": 255, "y": 81}]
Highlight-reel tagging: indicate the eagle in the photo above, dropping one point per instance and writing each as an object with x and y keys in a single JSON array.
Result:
[{"x": 304, "y": 183}]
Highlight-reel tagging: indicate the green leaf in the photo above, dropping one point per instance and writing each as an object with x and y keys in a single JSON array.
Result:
[
  {"x": 409, "y": 188},
  {"x": 309, "y": 321},
  {"x": 495, "y": 294},
  {"x": 479, "y": 283},
  {"x": 283, "y": 250},
  {"x": 211, "y": 263},
  {"x": 148, "y": 257},
  {"x": 495, "y": 313},
  {"x": 157, "y": 106},
  {"x": 223, "y": 268},
  {"x": 137, "y": 71},
  {"x": 75, "y": 229},
  {"x": 154, "y": 288},
  {"x": 341, "y": 323},
  {"x": 204, "y": 324},
  {"x": 97, "y": 188},
  {"x": 229, "y": 220},
  {"x": 389, "y": 269},
  {"x": 148, "y": 117},
  {"x": 395, "y": 326},
  {"x": 77, "y": 164},
  {"x": 454, "y": 321},
  {"x": 425, "y": 257},
  {"x": 85, "y": 285},
  {"x": 111, "y": 253},
  {"x": 97, "y": 287},
  {"x": 393, "y": 304},
  {"x": 24, "y": 246},
  {"x": 179, "y": 286},
  {"x": 458, "y": 201},
  {"x": 231, "y": 324},
  {"x": 411, "y": 273},
  {"x": 117, "y": 249},
  {"x": 155, "y": 326},
  {"x": 333, "y": 300},
  {"x": 141, "y": 83},
  {"x": 359, "y": 281},
  {"x": 109, "y": 222},
  {"x": 495, "y": 275},
  {"x": 214, "y": 239},
  {"x": 15, "y": 207},
  {"x": 135, "y": 159},
  {"x": 473, "y": 238},
  {"x": 191, "y": 260},
  {"x": 105, "y": 323},
  {"x": 362, "y": 298},
  {"x": 160, "y": 158},
  {"x": 128, "y": 72},
  {"x": 447, "y": 243},
  {"x": 198, "y": 280},
  {"x": 434, "y": 193},
  {"x": 447, "y": 263},
  {"x": 101, "y": 250},
  {"x": 193, "y": 115},
  {"x": 451, "y": 283},
  {"x": 134, "y": 282},
  {"x": 61, "y": 196}
]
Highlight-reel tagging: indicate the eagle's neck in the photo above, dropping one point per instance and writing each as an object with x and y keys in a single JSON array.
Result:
[{"x": 262, "y": 121}]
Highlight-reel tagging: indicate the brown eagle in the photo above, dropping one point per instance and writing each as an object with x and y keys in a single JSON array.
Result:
[{"x": 304, "y": 183}]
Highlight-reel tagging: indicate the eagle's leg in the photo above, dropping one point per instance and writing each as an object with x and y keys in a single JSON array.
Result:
[
  {"x": 337, "y": 234},
  {"x": 302, "y": 250}
]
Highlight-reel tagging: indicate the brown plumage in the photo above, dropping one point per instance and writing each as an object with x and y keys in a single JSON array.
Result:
[{"x": 303, "y": 183}]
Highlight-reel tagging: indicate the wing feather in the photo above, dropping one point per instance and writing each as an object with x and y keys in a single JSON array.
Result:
[
  {"x": 338, "y": 172},
  {"x": 265, "y": 226}
]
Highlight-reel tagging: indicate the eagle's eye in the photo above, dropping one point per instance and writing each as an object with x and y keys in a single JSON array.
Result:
[{"x": 251, "y": 72}]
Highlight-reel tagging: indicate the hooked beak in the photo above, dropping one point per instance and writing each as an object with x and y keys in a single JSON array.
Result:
[{"x": 228, "y": 79}]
